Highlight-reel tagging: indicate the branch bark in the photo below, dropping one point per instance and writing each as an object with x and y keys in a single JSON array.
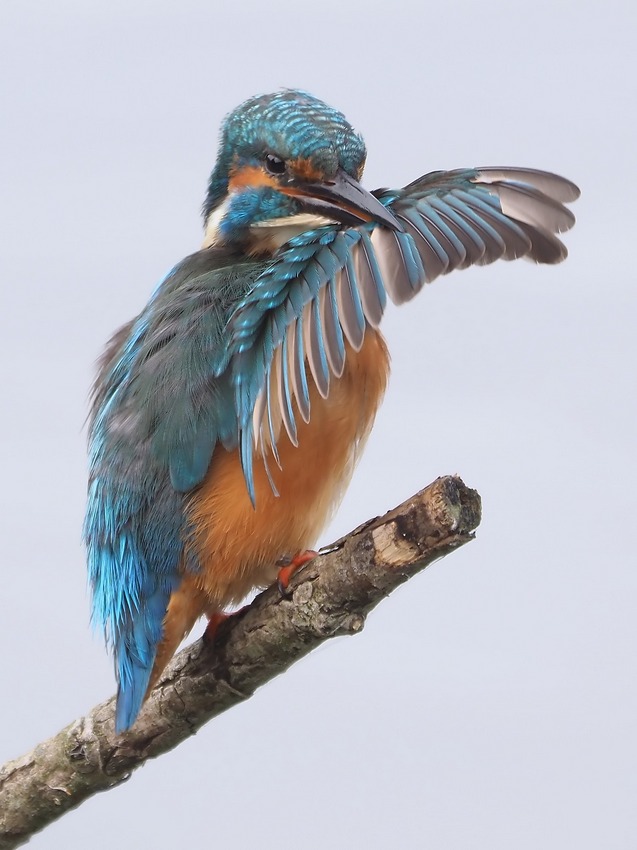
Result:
[{"x": 331, "y": 596}]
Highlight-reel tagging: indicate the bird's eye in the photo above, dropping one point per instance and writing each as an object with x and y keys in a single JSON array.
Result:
[{"x": 274, "y": 164}]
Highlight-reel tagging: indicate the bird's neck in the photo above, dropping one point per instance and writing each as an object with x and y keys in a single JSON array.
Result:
[{"x": 262, "y": 237}]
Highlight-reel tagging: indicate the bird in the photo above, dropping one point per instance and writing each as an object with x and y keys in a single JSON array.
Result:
[{"x": 227, "y": 417}]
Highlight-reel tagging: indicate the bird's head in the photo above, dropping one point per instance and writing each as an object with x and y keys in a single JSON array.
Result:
[{"x": 287, "y": 163}]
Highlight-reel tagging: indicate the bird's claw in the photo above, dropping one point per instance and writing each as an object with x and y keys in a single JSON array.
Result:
[{"x": 288, "y": 566}]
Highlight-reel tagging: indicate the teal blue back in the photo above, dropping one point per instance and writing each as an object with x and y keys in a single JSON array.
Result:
[{"x": 158, "y": 412}]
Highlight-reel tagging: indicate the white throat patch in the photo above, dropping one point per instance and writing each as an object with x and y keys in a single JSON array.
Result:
[{"x": 266, "y": 236}]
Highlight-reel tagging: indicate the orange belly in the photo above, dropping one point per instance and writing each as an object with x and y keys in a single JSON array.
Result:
[{"x": 238, "y": 545}]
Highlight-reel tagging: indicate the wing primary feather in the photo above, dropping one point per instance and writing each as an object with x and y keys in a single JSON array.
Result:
[
  {"x": 333, "y": 335},
  {"x": 260, "y": 444},
  {"x": 473, "y": 243},
  {"x": 412, "y": 260},
  {"x": 285, "y": 400},
  {"x": 350, "y": 309},
  {"x": 545, "y": 247},
  {"x": 371, "y": 288},
  {"x": 445, "y": 235},
  {"x": 268, "y": 473},
  {"x": 435, "y": 258},
  {"x": 257, "y": 416},
  {"x": 272, "y": 431},
  {"x": 275, "y": 453},
  {"x": 299, "y": 375},
  {"x": 392, "y": 265},
  {"x": 556, "y": 187},
  {"x": 494, "y": 243},
  {"x": 264, "y": 449},
  {"x": 525, "y": 203},
  {"x": 245, "y": 448},
  {"x": 315, "y": 348},
  {"x": 517, "y": 243}
]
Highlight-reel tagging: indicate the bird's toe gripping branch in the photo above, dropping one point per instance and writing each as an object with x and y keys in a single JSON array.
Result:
[
  {"x": 214, "y": 621},
  {"x": 288, "y": 566}
]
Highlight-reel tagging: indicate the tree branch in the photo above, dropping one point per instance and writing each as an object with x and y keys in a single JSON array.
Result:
[{"x": 330, "y": 596}]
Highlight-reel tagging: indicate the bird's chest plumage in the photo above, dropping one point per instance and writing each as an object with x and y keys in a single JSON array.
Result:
[{"x": 238, "y": 545}]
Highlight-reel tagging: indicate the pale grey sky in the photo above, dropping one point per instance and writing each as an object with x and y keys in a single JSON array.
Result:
[{"x": 491, "y": 703}]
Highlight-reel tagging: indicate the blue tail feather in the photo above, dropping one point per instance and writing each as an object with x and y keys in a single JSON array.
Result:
[{"x": 135, "y": 653}]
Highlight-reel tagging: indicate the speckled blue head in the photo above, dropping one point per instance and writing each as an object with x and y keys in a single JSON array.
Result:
[
  {"x": 283, "y": 155},
  {"x": 291, "y": 125}
]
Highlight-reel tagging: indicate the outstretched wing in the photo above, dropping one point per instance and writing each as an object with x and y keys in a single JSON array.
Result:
[
  {"x": 327, "y": 284},
  {"x": 158, "y": 412}
]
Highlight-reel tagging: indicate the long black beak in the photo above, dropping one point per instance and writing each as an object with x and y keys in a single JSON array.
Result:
[{"x": 344, "y": 200}]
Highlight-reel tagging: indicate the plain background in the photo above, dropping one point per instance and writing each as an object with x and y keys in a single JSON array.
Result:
[{"x": 490, "y": 703}]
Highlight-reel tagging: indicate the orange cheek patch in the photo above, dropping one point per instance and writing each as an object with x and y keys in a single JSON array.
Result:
[{"x": 250, "y": 175}]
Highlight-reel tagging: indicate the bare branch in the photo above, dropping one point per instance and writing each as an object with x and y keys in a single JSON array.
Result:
[{"x": 330, "y": 596}]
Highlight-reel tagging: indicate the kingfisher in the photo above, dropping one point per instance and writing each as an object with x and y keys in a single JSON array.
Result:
[{"x": 228, "y": 416}]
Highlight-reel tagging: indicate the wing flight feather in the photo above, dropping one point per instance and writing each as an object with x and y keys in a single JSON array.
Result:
[{"x": 327, "y": 285}]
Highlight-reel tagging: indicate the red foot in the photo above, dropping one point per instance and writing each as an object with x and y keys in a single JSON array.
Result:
[
  {"x": 213, "y": 624},
  {"x": 215, "y": 620},
  {"x": 289, "y": 566}
]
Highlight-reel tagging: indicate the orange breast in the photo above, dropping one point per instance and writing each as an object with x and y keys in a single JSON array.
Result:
[{"x": 238, "y": 545}]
